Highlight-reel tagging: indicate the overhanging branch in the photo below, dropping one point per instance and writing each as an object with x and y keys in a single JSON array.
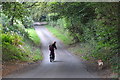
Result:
[{"x": 34, "y": 4}]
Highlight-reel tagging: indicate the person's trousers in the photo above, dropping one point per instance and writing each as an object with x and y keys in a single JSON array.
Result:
[{"x": 52, "y": 55}]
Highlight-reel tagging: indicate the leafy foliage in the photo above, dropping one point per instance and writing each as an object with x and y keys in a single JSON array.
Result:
[
  {"x": 16, "y": 44},
  {"x": 14, "y": 10},
  {"x": 93, "y": 23},
  {"x": 13, "y": 40},
  {"x": 16, "y": 47},
  {"x": 9, "y": 44}
]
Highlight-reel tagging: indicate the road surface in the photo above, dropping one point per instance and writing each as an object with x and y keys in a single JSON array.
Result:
[{"x": 66, "y": 64}]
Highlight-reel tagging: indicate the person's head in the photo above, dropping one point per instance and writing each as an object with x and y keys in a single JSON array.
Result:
[{"x": 54, "y": 42}]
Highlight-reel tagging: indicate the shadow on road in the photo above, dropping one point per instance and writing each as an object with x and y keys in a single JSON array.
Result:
[{"x": 58, "y": 61}]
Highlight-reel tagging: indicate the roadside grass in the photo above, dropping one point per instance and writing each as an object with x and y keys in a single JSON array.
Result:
[
  {"x": 57, "y": 33},
  {"x": 81, "y": 50},
  {"x": 33, "y": 35},
  {"x": 37, "y": 55},
  {"x": 34, "y": 51}
]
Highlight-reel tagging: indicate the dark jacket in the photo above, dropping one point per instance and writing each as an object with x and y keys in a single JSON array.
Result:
[{"x": 54, "y": 46}]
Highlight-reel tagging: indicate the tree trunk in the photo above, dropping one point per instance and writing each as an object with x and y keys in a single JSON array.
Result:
[{"x": 12, "y": 19}]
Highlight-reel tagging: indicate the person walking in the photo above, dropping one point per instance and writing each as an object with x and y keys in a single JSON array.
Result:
[{"x": 52, "y": 47}]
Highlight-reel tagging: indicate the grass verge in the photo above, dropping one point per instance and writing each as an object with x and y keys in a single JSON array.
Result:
[
  {"x": 33, "y": 35},
  {"x": 34, "y": 51},
  {"x": 57, "y": 33}
]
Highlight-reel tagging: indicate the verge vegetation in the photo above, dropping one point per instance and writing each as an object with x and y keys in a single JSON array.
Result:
[
  {"x": 57, "y": 33},
  {"x": 19, "y": 40}
]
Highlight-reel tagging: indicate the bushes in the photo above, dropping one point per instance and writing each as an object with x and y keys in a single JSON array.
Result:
[
  {"x": 11, "y": 38},
  {"x": 15, "y": 48},
  {"x": 10, "y": 52},
  {"x": 10, "y": 43},
  {"x": 17, "y": 28},
  {"x": 14, "y": 41},
  {"x": 115, "y": 63},
  {"x": 27, "y": 22},
  {"x": 15, "y": 18}
]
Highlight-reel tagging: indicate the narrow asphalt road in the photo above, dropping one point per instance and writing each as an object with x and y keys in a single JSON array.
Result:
[{"x": 66, "y": 65}]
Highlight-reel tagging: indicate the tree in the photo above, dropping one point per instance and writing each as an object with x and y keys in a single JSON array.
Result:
[{"x": 14, "y": 10}]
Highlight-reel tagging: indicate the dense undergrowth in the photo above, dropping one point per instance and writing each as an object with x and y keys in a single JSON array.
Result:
[
  {"x": 19, "y": 44},
  {"x": 19, "y": 39}
]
